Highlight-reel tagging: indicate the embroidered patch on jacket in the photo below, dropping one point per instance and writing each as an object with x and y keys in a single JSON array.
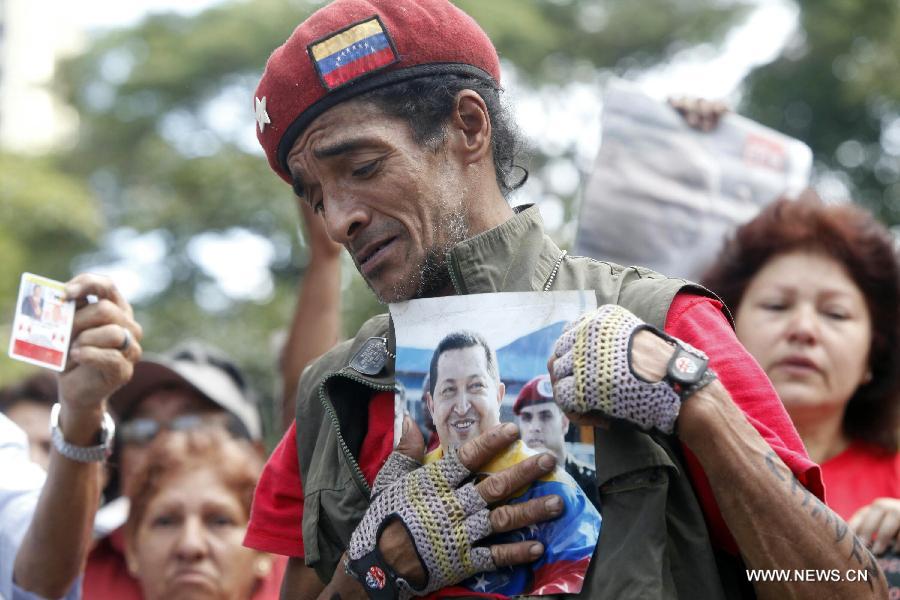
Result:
[{"x": 352, "y": 52}]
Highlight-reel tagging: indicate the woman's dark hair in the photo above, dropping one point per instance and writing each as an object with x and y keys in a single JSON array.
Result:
[
  {"x": 867, "y": 251},
  {"x": 426, "y": 103},
  {"x": 39, "y": 388}
]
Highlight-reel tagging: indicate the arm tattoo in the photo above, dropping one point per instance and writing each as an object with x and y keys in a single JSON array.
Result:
[
  {"x": 795, "y": 485},
  {"x": 858, "y": 552},
  {"x": 840, "y": 530},
  {"x": 770, "y": 462},
  {"x": 855, "y": 550}
]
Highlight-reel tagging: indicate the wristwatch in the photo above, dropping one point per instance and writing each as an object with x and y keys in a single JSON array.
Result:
[
  {"x": 84, "y": 454},
  {"x": 379, "y": 580},
  {"x": 688, "y": 371}
]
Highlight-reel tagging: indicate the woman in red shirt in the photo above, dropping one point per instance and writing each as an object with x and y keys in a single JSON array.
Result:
[{"x": 816, "y": 294}]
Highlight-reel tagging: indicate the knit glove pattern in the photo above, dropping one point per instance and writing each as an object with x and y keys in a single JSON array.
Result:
[
  {"x": 443, "y": 519},
  {"x": 593, "y": 371}
]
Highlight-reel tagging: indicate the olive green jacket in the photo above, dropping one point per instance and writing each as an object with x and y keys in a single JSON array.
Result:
[{"x": 653, "y": 543}]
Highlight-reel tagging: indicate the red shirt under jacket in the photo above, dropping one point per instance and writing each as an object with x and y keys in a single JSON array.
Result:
[{"x": 277, "y": 513}]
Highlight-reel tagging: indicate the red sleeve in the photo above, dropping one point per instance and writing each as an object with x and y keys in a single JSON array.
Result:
[
  {"x": 276, "y": 515},
  {"x": 699, "y": 321}
]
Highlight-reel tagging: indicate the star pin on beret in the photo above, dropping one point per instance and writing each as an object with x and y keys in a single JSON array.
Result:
[{"x": 350, "y": 47}]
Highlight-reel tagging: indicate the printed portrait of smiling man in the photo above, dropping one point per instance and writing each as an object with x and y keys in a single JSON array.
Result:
[{"x": 465, "y": 388}]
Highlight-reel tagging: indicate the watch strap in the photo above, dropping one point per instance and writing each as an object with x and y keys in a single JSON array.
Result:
[
  {"x": 83, "y": 454},
  {"x": 688, "y": 370},
  {"x": 378, "y": 579},
  {"x": 708, "y": 377}
]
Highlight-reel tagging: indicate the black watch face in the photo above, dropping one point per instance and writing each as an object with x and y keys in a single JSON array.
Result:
[{"x": 685, "y": 368}]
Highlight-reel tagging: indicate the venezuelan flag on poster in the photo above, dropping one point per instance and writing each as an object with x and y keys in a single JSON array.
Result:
[
  {"x": 569, "y": 540},
  {"x": 352, "y": 52}
]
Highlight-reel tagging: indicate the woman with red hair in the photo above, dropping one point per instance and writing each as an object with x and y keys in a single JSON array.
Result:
[
  {"x": 190, "y": 504},
  {"x": 815, "y": 290}
]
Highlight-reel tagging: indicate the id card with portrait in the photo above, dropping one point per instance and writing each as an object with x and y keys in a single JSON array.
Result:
[
  {"x": 465, "y": 364},
  {"x": 42, "y": 328}
]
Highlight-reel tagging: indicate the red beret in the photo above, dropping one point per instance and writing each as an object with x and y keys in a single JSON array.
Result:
[
  {"x": 352, "y": 46},
  {"x": 537, "y": 391}
]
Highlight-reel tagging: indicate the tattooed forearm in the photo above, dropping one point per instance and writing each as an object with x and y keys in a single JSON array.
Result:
[
  {"x": 772, "y": 465},
  {"x": 818, "y": 510}
]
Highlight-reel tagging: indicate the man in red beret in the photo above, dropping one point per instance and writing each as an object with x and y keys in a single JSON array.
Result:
[
  {"x": 385, "y": 116},
  {"x": 543, "y": 426},
  {"x": 465, "y": 400}
]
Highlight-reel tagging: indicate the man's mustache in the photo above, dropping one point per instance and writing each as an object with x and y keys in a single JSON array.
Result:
[{"x": 372, "y": 233}]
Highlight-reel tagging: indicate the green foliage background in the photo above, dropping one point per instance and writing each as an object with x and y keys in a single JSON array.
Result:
[
  {"x": 150, "y": 157},
  {"x": 836, "y": 87}
]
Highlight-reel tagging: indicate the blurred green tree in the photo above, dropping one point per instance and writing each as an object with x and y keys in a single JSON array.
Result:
[
  {"x": 166, "y": 137},
  {"x": 835, "y": 86},
  {"x": 47, "y": 218}
]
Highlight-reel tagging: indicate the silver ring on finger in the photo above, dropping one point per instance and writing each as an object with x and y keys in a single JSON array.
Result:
[{"x": 126, "y": 342}]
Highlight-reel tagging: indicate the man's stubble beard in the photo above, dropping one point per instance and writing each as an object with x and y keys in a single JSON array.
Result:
[{"x": 431, "y": 277}]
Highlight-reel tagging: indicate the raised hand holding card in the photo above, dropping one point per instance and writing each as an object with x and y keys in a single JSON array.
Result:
[{"x": 42, "y": 328}]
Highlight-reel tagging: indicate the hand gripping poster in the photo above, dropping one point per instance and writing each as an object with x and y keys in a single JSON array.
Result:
[{"x": 467, "y": 363}]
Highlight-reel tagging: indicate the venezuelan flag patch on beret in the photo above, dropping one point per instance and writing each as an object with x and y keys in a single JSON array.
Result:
[{"x": 352, "y": 52}]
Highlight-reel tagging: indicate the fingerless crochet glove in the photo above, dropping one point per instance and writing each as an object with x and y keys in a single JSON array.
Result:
[
  {"x": 444, "y": 522},
  {"x": 593, "y": 371}
]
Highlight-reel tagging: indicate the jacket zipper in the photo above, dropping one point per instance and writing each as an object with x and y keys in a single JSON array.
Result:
[
  {"x": 329, "y": 408},
  {"x": 555, "y": 270},
  {"x": 451, "y": 268}
]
